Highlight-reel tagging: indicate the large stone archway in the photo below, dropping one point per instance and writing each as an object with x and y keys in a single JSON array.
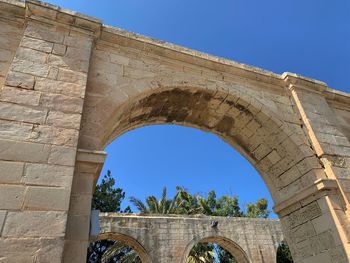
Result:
[{"x": 70, "y": 86}]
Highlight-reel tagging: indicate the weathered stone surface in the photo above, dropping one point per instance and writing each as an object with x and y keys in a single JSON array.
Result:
[
  {"x": 24, "y": 151},
  {"x": 34, "y": 224},
  {"x": 29, "y": 67},
  {"x": 15, "y": 112},
  {"x": 20, "y": 96},
  {"x": 59, "y": 87},
  {"x": 62, "y": 155},
  {"x": 295, "y": 131},
  {"x": 37, "y": 44},
  {"x": 70, "y": 76},
  {"x": 62, "y": 103},
  {"x": 48, "y": 175},
  {"x": 248, "y": 240},
  {"x": 11, "y": 172},
  {"x": 20, "y": 80},
  {"x": 46, "y": 198},
  {"x": 64, "y": 120},
  {"x": 2, "y": 219},
  {"x": 11, "y": 196}
]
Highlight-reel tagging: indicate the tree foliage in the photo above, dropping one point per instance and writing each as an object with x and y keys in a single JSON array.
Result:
[{"x": 106, "y": 197}]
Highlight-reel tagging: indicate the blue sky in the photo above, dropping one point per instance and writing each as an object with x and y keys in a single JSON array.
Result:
[{"x": 311, "y": 38}]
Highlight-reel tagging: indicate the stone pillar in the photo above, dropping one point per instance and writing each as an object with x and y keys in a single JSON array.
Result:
[
  {"x": 41, "y": 103},
  {"x": 88, "y": 168},
  {"x": 316, "y": 216}
]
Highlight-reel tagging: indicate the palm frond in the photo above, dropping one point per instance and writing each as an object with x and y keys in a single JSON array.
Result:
[{"x": 139, "y": 204}]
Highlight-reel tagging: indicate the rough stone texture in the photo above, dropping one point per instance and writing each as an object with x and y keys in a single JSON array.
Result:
[
  {"x": 67, "y": 81},
  {"x": 161, "y": 238}
]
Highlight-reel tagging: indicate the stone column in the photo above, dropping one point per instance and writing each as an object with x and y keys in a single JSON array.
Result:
[
  {"x": 87, "y": 169},
  {"x": 316, "y": 216},
  {"x": 41, "y": 103}
]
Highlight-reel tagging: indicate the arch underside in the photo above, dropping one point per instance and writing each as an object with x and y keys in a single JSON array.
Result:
[
  {"x": 273, "y": 146},
  {"x": 233, "y": 248},
  {"x": 129, "y": 241}
]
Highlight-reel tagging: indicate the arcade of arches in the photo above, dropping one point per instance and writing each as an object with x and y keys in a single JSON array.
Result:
[
  {"x": 70, "y": 86},
  {"x": 165, "y": 238}
]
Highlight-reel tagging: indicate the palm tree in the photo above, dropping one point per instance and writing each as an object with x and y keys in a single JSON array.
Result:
[
  {"x": 154, "y": 206},
  {"x": 124, "y": 253}
]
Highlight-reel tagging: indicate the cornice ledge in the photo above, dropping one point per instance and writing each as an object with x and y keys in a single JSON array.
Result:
[
  {"x": 39, "y": 10},
  {"x": 88, "y": 156},
  {"x": 296, "y": 81},
  {"x": 320, "y": 186}
]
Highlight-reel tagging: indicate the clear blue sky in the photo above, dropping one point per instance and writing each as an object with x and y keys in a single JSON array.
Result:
[{"x": 311, "y": 38}]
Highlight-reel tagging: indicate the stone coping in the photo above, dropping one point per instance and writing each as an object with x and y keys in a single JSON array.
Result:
[
  {"x": 174, "y": 216},
  {"x": 38, "y": 9}
]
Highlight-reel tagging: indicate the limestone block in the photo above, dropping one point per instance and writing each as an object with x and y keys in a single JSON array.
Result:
[
  {"x": 9, "y": 111},
  {"x": 35, "y": 224},
  {"x": 83, "y": 183},
  {"x": 51, "y": 250},
  {"x": 46, "y": 198},
  {"x": 44, "y": 33},
  {"x": 32, "y": 55},
  {"x": 59, "y": 49},
  {"x": 70, "y": 76},
  {"x": 11, "y": 172},
  {"x": 303, "y": 215},
  {"x": 53, "y": 135},
  {"x": 2, "y": 220},
  {"x": 118, "y": 59},
  {"x": 81, "y": 204},
  {"x": 69, "y": 63},
  {"x": 78, "y": 227},
  {"x": 59, "y": 87},
  {"x": 78, "y": 53},
  {"x": 64, "y": 120},
  {"x": 48, "y": 175},
  {"x": 20, "y": 96},
  {"x": 75, "y": 251},
  {"x": 62, "y": 103},
  {"x": 78, "y": 42},
  {"x": 20, "y": 80},
  {"x": 11, "y": 196},
  {"x": 29, "y": 67},
  {"x": 37, "y": 44},
  {"x": 5, "y": 55},
  {"x": 62, "y": 155},
  {"x": 15, "y": 250},
  {"x": 24, "y": 151}
]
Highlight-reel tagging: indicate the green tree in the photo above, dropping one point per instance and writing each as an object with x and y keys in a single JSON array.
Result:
[
  {"x": 283, "y": 253},
  {"x": 108, "y": 198},
  {"x": 258, "y": 210}
]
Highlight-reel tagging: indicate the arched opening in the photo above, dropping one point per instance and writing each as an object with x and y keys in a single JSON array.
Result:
[
  {"x": 272, "y": 146},
  {"x": 283, "y": 254},
  {"x": 114, "y": 247},
  {"x": 223, "y": 250}
]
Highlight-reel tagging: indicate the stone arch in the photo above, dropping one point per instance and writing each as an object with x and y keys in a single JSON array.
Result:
[
  {"x": 234, "y": 248},
  {"x": 130, "y": 241},
  {"x": 271, "y": 145}
]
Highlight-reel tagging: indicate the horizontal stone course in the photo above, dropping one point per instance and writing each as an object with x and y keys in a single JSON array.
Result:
[
  {"x": 46, "y": 198},
  {"x": 11, "y": 172},
  {"x": 24, "y": 224},
  {"x": 24, "y": 151},
  {"x": 11, "y": 196}
]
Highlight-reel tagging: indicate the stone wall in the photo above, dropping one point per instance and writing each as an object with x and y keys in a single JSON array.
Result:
[
  {"x": 70, "y": 86},
  {"x": 165, "y": 238}
]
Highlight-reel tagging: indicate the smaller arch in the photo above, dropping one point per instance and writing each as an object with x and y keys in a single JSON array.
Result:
[
  {"x": 235, "y": 250},
  {"x": 130, "y": 241}
]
